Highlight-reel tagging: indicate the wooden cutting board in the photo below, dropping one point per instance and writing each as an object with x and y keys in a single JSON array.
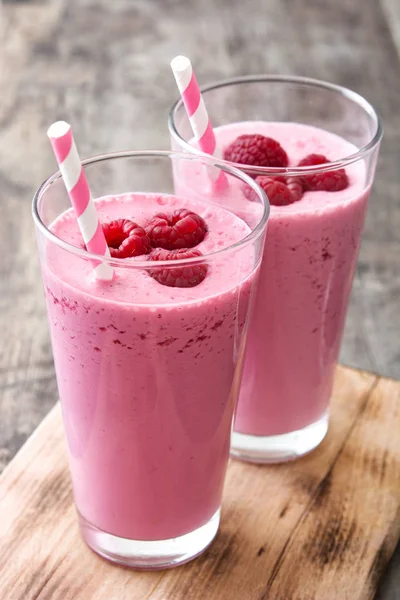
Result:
[{"x": 323, "y": 527}]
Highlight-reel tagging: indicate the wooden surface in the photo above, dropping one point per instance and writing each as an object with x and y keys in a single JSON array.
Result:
[
  {"x": 321, "y": 528},
  {"x": 103, "y": 65}
]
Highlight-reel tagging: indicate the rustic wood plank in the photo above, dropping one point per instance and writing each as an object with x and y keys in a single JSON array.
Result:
[
  {"x": 363, "y": 481},
  {"x": 391, "y": 9},
  {"x": 331, "y": 517}
]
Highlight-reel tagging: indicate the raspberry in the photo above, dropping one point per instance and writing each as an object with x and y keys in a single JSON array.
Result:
[
  {"x": 312, "y": 160},
  {"x": 125, "y": 238},
  {"x": 278, "y": 193},
  {"x": 182, "y": 276},
  {"x": 295, "y": 186},
  {"x": 329, "y": 181},
  {"x": 183, "y": 229},
  {"x": 256, "y": 150},
  {"x": 281, "y": 191}
]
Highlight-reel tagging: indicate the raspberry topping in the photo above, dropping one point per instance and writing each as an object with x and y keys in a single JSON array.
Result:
[
  {"x": 182, "y": 276},
  {"x": 329, "y": 181},
  {"x": 295, "y": 186},
  {"x": 182, "y": 229},
  {"x": 311, "y": 160},
  {"x": 278, "y": 193},
  {"x": 281, "y": 191},
  {"x": 256, "y": 150},
  {"x": 126, "y": 239}
]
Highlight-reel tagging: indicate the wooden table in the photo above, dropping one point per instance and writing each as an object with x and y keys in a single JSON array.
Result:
[
  {"x": 330, "y": 519},
  {"x": 103, "y": 65}
]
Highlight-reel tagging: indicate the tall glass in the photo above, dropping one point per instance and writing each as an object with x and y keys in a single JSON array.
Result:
[
  {"x": 148, "y": 374},
  {"x": 310, "y": 254}
]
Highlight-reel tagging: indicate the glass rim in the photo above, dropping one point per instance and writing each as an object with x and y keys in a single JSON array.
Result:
[
  {"x": 144, "y": 263},
  {"x": 305, "y": 81}
]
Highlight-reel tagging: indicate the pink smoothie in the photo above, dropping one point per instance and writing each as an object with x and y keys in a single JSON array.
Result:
[
  {"x": 146, "y": 375},
  {"x": 305, "y": 281}
]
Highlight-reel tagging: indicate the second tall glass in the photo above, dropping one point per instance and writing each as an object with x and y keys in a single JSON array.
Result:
[{"x": 311, "y": 250}]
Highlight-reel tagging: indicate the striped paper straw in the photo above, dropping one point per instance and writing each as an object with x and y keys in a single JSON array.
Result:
[
  {"x": 195, "y": 108},
  {"x": 75, "y": 181}
]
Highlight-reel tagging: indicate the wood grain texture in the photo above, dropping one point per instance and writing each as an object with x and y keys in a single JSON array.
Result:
[
  {"x": 392, "y": 12},
  {"x": 103, "y": 65},
  {"x": 323, "y": 527}
]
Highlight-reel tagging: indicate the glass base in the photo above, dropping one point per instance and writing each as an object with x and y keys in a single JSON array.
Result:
[
  {"x": 157, "y": 554},
  {"x": 279, "y": 448}
]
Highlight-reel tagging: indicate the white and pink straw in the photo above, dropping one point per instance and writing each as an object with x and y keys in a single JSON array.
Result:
[
  {"x": 195, "y": 108},
  {"x": 75, "y": 181}
]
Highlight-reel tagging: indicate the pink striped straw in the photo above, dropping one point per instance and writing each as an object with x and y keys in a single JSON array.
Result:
[
  {"x": 196, "y": 109},
  {"x": 75, "y": 181}
]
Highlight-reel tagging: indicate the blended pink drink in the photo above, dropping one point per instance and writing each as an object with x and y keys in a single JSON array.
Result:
[
  {"x": 305, "y": 282},
  {"x": 148, "y": 367},
  {"x": 304, "y": 286},
  {"x": 314, "y": 231}
]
